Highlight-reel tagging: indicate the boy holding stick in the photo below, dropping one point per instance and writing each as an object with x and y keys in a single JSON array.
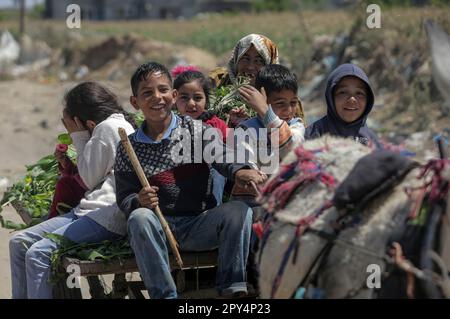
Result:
[{"x": 182, "y": 189}]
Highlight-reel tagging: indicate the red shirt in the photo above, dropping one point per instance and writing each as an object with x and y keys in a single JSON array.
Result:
[{"x": 219, "y": 124}]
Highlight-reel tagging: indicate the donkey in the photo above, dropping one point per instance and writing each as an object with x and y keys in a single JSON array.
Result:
[{"x": 319, "y": 242}]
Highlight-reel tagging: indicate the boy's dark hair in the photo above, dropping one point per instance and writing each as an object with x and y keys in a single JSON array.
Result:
[
  {"x": 275, "y": 78},
  {"x": 92, "y": 101},
  {"x": 190, "y": 76},
  {"x": 144, "y": 71}
]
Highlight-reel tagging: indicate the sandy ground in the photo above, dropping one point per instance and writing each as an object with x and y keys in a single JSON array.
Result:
[{"x": 30, "y": 123}]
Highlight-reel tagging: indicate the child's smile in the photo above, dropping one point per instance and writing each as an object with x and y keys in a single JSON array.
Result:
[
  {"x": 284, "y": 103},
  {"x": 249, "y": 64},
  {"x": 155, "y": 97},
  {"x": 191, "y": 99},
  {"x": 158, "y": 107},
  {"x": 350, "y": 98}
]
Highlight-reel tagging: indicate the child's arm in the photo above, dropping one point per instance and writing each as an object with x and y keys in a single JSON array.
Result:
[
  {"x": 65, "y": 165},
  {"x": 96, "y": 153},
  {"x": 237, "y": 115},
  {"x": 285, "y": 136},
  {"x": 255, "y": 99},
  {"x": 94, "y": 159},
  {"x": 219, "y": 160},
  {"x": 288, "y": 136},
  {"x": 245, "y": 142},
  {"x": 148, "y": 197},
  {"x": 243, "y": 173},
  {"x": 130, "y": 195}
]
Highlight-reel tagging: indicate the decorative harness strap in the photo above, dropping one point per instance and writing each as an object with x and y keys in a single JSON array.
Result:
[{"x": 304, "y": 171}]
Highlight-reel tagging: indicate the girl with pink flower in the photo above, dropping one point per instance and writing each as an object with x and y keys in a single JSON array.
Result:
[{"x": 192, "y": 89}]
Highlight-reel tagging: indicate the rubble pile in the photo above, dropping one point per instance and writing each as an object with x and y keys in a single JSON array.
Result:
[{"x": 113, "y": 58}]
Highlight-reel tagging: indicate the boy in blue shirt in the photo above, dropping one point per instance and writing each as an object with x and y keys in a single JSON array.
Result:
[{"x": 183, "y": 191}]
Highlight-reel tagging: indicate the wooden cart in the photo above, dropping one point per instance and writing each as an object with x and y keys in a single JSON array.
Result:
[{"x": 195, "y": 280}]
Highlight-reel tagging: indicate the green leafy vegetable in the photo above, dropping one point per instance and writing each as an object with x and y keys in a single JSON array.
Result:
[
  {"x": 65, "y": 139},
  {"x": 226, "y": 98},
  {"x": 106, "y": 251},
  {"x": 34, "y": 192}
]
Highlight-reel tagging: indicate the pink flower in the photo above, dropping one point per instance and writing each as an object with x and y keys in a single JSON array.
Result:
[
  {"x": 62, "y": 148},
  {"x": 176, "y": 71}
]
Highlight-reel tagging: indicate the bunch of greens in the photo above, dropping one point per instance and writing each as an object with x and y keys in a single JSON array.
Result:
[
  {"x": 138, "y": 118},
  {"x": 226, "y": 98},
  {"x": 35, "y": 191},
  {"x": 71, "y": 152}
]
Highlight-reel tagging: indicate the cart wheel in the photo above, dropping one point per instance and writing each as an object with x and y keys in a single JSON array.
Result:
[
  {"x": 96, "y": 288},
  {"x": 62, "y": 291},
  {"x": 120, "y": 286}
]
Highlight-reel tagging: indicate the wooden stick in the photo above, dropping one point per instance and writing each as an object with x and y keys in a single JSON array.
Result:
[{"x": 143, "y": 179}]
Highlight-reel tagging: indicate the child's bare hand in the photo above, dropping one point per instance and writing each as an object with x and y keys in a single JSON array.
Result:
[
  {"x": 60, "y": 157},
  {"x": 60, "y": 154},
  {"x": 255, "y": 99},
  {"x": 245, "y": 177},
  {"x": 147, "y": 197},
  {"x": 238, "y": 115}
]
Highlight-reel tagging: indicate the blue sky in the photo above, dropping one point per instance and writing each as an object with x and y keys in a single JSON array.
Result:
[{"x": 10, "y": 3}]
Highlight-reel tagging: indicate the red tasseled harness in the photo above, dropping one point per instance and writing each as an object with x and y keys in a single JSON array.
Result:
[
  {"x": 436, "y": 188},
  {"x": 276, "y": 194},
  {"x": 300, "y": 173}
]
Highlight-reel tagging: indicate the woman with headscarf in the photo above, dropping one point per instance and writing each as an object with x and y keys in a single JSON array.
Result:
[{"x": 250, "y": 54}]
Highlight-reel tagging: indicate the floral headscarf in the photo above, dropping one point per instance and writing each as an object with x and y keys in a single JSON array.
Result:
[{"x": 264, "y": 46}]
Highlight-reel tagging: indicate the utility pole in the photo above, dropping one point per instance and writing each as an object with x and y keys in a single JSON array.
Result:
[{"x": 22, "y": 17}]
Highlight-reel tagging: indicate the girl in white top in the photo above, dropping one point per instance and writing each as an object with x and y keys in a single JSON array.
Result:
[{"x": 92, "y": 116}]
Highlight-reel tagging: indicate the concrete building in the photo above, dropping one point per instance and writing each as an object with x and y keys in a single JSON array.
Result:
[{"x": 141, "y": 9}]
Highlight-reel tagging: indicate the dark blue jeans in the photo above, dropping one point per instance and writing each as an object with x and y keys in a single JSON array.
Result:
[{"x": 227, "y": 227}]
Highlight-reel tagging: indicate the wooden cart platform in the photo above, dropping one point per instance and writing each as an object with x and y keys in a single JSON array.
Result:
[{"x": 193, "y": 262}]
